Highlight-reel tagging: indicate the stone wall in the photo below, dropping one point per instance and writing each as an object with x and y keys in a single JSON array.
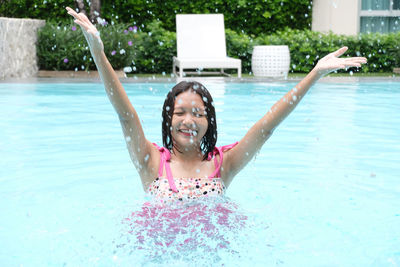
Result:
[{"x": 18, "y": 47}]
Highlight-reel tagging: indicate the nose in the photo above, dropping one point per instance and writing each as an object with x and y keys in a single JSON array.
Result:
[{"x": 189, "y": 121}]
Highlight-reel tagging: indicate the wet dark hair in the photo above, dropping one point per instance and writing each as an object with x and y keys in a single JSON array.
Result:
[{"x": 207, "y": 143}]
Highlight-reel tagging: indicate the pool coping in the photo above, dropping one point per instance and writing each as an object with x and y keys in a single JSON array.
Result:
[{"x": 200, "y": 79}]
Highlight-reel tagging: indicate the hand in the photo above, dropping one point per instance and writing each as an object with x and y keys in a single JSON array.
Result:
[
  {"x": 332, "y": 62},
  {"x": 89, "y": 31}
]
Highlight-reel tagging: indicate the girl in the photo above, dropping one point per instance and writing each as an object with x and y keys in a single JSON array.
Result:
[{"x": 189, "y": 165}]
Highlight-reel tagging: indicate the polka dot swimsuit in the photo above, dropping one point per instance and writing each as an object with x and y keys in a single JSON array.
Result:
[{"x": 188, "y": 188}]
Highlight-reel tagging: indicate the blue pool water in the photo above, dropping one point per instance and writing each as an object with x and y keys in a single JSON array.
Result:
[{"x": 323, "y": 191}]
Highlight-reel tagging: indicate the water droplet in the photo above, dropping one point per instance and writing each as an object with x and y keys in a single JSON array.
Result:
[
  {"x": 127, "y": 69},
  {"x": 198, "y": 170},
  {"x": 146, "y": 158},
  {"x": 127, "y": 138},
  {"x": 294, "y": 97},
  {"x": 167, "y": 108}
]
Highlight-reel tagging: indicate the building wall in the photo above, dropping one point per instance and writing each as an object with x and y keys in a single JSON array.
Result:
[
  {"x": 18, "y": 47},
  {"x": 338, "y": 16}
]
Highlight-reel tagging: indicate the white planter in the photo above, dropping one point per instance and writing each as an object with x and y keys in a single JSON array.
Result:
[{"x": 270, "y": 60}]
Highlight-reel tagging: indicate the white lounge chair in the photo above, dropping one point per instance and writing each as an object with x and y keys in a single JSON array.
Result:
[{"x": 201, "y": 44}]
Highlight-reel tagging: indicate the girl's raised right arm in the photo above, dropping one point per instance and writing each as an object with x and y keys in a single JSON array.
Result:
[{"x": 143, "y": 154}]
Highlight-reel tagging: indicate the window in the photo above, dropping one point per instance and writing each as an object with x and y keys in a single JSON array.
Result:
[{"x": 380, "y": 16}]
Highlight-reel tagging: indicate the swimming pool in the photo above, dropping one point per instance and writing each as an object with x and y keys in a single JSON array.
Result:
[{"x": 324, "y": 190}]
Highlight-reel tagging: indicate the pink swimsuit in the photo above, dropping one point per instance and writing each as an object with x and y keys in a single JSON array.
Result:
[{"x": 188, "y": 188}]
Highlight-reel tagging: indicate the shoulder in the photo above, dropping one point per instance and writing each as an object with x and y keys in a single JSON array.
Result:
[
  {"x": 150, "y": 164},
  {"x": 224, "y": 155}
]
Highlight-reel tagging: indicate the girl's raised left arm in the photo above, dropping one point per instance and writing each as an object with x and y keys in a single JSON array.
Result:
[{"x": 236, "y": 158}]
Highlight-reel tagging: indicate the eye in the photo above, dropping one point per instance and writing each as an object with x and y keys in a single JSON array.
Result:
[
  {"x": 198, "y": 115},
  {"x": 197, "y": 112}
]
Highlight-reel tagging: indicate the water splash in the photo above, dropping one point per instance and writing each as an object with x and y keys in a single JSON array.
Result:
[{"x": 196, "y": 232}]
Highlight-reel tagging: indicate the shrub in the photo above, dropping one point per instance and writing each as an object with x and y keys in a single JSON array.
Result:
[
  {"x": 59, "y": 42},
  {"x": 124, "y": 46},
  {"x": 307, "y": 47},
  {"x": 151, "y": 51},
  {"x": 245, "y": 16}
]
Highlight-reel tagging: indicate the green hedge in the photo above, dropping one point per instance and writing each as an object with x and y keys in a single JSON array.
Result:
[
  {"x": 65, "y": 48},
  {"x": 307, "y": 47},
  {"x": 246, "y": 16},
  {"x": 151, "y": 51}
]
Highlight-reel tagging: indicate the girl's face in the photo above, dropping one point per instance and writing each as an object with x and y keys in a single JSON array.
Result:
[{"x": 189, "y": 120}]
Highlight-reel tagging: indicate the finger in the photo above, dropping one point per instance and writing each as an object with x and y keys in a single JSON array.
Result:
[
  {"x": 82, "y": 17},
  {"x": 358, "y": 59},
  {"x": 82, "y": 24},
  {"x": 340, "y": 51},
  {"x": 76, "y": 15},
  {"x": 85, "y": 18},
  {"x": 353, "y": 65},
  {"x": 356, "y": 62},
  {"x": 72, "y": 12}
]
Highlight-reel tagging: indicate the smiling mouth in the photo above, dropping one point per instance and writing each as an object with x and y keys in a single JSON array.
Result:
[{"x": 188, "y": 132}]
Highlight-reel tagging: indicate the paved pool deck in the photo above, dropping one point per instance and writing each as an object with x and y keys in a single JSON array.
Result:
[{"x": 92, "y": 77}]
